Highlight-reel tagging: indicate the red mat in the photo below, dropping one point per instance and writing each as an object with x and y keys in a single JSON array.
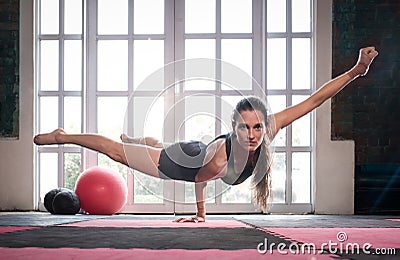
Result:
[
  {"x": 170, "y": 254},
  {"x": 157, "y": 224},
  {"x": 377, "y": 237},
  {"x": 7, "y": 229}
]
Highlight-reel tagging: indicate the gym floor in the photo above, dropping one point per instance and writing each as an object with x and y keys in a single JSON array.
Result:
[{"x": 34, "y": 235}]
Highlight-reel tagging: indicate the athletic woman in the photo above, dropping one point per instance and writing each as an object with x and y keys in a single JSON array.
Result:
[{"x": 234, "y": 157}]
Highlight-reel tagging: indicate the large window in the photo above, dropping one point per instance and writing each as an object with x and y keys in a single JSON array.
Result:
[
  {"x": 164, "y": 69},
  {"x": 289, "y": 80}
]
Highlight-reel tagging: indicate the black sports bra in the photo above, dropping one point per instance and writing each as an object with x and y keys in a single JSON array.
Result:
[{"x": 231, "y": 177}]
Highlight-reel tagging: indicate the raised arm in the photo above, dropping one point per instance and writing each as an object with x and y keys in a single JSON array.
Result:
[{"x": 327, "y": 91}]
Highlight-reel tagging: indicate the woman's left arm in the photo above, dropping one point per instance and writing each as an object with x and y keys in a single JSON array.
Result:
[{"x": 327, "y": 91}]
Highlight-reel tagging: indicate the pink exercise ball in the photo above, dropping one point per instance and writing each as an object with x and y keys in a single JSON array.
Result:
[{"x": 101, "y": 191}]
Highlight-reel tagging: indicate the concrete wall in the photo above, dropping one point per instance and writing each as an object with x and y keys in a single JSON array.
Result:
[
  {"x": 17, "y": 182},
  {"x": 368, "y": 111},
  {"x": 9, "y": 69}
]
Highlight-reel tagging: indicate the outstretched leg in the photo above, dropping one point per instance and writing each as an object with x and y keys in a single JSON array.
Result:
[{"x": 139, "y": 157}]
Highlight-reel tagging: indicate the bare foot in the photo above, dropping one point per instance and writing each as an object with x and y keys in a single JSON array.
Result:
[
  {"x": 150, "y": 141},
  {"x": 133, "y": 140},
  {"x": 49, "y": 138},
  {"x": 127, "y": 139}
]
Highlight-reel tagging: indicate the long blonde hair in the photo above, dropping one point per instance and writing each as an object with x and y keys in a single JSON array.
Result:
[{"x": 261, "y": 177}]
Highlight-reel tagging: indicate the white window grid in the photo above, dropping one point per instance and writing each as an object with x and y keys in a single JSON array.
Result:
[
  {"x": 289, "y": 92},
  {"x": 60, "y": 94},
  {"x": 89, "y": 93}
]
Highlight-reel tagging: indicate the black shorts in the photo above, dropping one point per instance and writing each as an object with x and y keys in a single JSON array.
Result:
[{"x": 182, "y": 160}]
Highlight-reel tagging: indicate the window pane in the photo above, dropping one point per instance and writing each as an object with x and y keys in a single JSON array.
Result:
[
  {"x": 200, "y": 48},
  {"x": 278, "y": 173},
  {"x": 236, "y": 194},
  {"x": 241, "y": 59},
  {"x": 49, "y": 17},
  {"x": 277, "y": 104},
  {"x": 148, "y": 17},
  {"x": 72, "y": 169},
  {"x": 148, "y": 58},
  {"x": 203, "y": 11},
  {"x": 301, "y": 16},
  {"x": 148, "y": 117},
  {"x": 147, "y": 189},
  {"x": 276, "y": 63},
  {"x": 236, "y": 16},
  {"x": 199, "y": 84},
  {"x": 110, "y": 116},
  {"x": 228, "y": 103},
  {"x": 301, "y": 128},
  {"x": 276, "y": 16},
  {"x": 199, "y": 122},
  {"x": 49, "y": 65},
  {"x": 105, "y": 161},
  {"x": 301, "y": 177},
  {"x": 48, "y": 114},
  {"x": 112, "y": 62},
  {"x": 73, "y": 17},
  {"x": 112, "y": 16},
  {"x": 190, "y": 196},
  {"x": 48, "y": 173},
  {"x": 72, "y": 115},
  {"x": 73, "y": 65},
  {"x": 301, "y": 64}
]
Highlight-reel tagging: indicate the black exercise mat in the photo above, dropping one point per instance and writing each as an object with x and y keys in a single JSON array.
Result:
[
  {"x": 320, "y": 221},
  {"x": 150, "y": 238},
  {"x": 42, "y": 219}
]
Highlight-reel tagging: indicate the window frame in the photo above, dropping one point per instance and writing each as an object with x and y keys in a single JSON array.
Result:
[
  {"x": 174, "y": 51},
  {"x": 60, "y": 94}
]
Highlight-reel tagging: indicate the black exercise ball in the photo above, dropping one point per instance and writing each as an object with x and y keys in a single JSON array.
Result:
[
  {"x": 48, "y": 199},
  {"x": 66, "y": 202}
]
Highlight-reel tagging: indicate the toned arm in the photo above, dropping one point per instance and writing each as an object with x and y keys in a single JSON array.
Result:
[
  {"x": 214, "y": 167},
  {"x": 327, "y": 91}
]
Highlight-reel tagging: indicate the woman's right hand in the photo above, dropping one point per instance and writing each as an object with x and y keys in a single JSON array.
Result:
[{"x": 195, "y": 219}]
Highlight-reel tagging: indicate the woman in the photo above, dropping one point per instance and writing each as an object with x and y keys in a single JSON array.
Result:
[{"x": 233, "y": 157}]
